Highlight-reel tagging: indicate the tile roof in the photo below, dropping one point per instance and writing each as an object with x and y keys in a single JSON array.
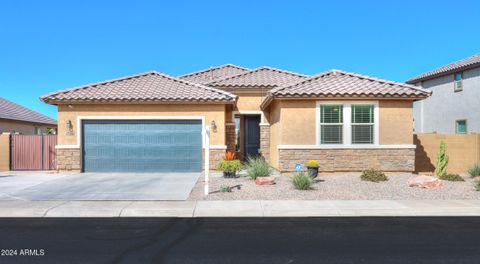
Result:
[
  {"x": 470, "y": 62},
  {"x": 13, "y": 111},
  {"x": 260, "y": 77},
  {"x": 336, "y": 83},
  {"x": 213, "y": 73},
  {"x": 144, "y": 87}
]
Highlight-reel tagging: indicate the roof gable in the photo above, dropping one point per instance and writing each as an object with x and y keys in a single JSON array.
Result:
[
  {"x": 144, "y": 87},
  {"x": 337, "y": 83},
  {"x": 12, "y": 111},
  {"x": 468, "y": 63},
  {"x": 260, "y": 77},
  {"x": 214, "y": 73}
]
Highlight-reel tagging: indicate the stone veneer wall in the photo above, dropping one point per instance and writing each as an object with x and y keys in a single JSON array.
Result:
[
  {"x": 68, "y": 159},
  {"x": 230, "y": 136},
  {"x": 265, "y": 141},
  {"x": 331, "y": 160},
  {"x": 216, "y": 155}
]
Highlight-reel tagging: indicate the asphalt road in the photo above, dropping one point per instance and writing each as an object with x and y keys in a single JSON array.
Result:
[{"x": 241, "y": 240}]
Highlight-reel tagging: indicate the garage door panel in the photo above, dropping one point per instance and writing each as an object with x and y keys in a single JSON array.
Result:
[{"x": 142, "y": 145}]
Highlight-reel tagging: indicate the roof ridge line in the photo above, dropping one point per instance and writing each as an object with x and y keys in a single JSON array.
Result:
[
  {"x": 256, "y": 70},
  {"x": 97, "y": 83},
  {"x": 212, "y": 68},
  {"x": 310, "y": 78}
]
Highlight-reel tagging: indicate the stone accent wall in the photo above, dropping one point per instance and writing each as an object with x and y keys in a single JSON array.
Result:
[
  {"x": 349, "y": 159},
  {"x": 265, "y": 141},
  {"x": 230, "y": 137},
  {"x": 216, "y": 155},
  {"x": 68, "y": 159}
]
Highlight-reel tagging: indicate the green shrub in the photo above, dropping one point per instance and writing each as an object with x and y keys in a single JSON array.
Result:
[
  {"x": 474, "y": 171},
  {"x": 229, "y": 166},
  {"x": 258, "y": 167},
  {"x": 442, "y": 160},
  {"x": 373, "y": 176},
  {"x": 302, "y": 181},
  {"x": 476, "y": 184},
  {"x": 312, "y": 163},
  {"x": 225, "y": 188},
  {"x": 451, "y": 177}
]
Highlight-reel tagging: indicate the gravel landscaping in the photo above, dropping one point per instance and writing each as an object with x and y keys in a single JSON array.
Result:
[{"x": 344, "y": 186}]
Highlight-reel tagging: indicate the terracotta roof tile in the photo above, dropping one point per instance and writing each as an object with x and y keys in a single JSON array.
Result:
[
  {"x": 13, "y": 111},
  {"x": 214, "y": 73},
  {"x": 336, "y": 83},
  {"x": 145, "y": 87},
  {"x": 470, "y": 62},
  {"x": 260, "y": 77}
]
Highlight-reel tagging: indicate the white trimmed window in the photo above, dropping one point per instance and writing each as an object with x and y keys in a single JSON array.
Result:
[
  {"x": 347, "y": 123},
  {"x": 457, "y": 84}
]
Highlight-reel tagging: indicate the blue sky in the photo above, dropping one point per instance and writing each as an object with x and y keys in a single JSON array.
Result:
[{"x": 51, "y": 45}]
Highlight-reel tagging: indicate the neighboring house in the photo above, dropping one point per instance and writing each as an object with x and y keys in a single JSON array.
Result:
[
  {"x": 155, "y": 122},
  {"x": 454, "y": 106},
  {"x": 15, "y": 118}
]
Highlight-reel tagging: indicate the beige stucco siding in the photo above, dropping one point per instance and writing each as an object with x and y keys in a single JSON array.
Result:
[
  {"x": 396, "y": 122},
  {"x": 275, "y": 132},
  {"x": 24, "y": 128},
  {"x": 298, "y": 124},
  {"x": 211, "y": 112},
  {"x": 249, "y": 102}
]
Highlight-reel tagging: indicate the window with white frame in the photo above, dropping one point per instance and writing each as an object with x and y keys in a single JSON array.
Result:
[
  {"x": 347, "y": 122},
  {"x": 457, "y": 84},
  {"x": 331, "y": 124},
  {"x": 362, "y": 124}
]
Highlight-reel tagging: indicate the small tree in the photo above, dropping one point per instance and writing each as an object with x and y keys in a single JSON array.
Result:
[{"x": 442, "y": 160}]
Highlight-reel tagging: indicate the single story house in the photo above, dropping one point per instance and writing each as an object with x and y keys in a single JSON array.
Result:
[
  {"x": 17, "y": 119},
  {"x": 155, "y": 122}
]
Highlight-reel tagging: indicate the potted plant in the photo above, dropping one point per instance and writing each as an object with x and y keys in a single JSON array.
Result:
[
  {"x": 312, "y": 167},
  {"x": 229, "y": 165}
]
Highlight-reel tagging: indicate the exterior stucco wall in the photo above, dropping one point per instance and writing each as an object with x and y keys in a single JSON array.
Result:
[
  {"x": 211, "y": 112},
  {"x": 396, "y": 122},
  {"x": 24, "y": 128},
  {"x": 275, "y": 132},
  {"x": 439, "y": 112}
]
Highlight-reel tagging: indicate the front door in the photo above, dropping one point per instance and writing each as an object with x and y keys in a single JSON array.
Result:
[{"x": 252, "y": 135}]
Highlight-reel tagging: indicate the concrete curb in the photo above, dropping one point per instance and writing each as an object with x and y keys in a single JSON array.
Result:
[{"x": 237, "y": 208}]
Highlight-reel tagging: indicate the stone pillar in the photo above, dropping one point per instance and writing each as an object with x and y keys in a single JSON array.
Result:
[
  {"x": 265, "y": 141},
  {"x": 230, "y": 136},
  {"x": 68, "y": 159}
]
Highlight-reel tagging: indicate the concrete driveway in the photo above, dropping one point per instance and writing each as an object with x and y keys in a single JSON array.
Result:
[{"x": 96, "y": 186}]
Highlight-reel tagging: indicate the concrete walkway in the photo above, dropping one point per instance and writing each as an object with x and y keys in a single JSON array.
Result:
[{"x": 252, "y": 208}]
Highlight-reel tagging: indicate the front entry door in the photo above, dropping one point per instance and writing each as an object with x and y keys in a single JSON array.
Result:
[{"x": 252, "y": 135}]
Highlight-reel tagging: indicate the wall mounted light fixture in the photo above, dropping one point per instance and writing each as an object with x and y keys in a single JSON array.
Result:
[
  {"x": 213, "y": 126},
  {"x": 69, "y": 126}
]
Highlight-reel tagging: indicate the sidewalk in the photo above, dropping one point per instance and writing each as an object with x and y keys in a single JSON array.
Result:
[{"x": 247, "y": 208}]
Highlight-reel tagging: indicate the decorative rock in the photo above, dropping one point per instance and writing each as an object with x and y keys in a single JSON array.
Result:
[
  {"x": 427, "y": 182},
  {"x": 265, "y": 180}
]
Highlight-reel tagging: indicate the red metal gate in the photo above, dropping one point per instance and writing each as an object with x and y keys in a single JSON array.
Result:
[{"x": 33, "y": 152}]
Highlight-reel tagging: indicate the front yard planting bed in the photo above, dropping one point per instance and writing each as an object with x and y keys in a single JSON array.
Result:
[{"x": 338, "y": 186}]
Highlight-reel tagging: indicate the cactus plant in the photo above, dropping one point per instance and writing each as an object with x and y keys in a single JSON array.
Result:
[{"x": 442, "y": 161}]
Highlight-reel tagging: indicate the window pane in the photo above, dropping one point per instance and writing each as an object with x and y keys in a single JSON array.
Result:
[
  {"x": 458, "y": 76},
  {"x": 362, "y": 134},
  {"x": 362, "y": 113},
  {"x": 461, "y": 127},
  {"x": 237, "y": 134},
  {"x": 331, "y": 134},
  {"x": 331, "y": 114}
]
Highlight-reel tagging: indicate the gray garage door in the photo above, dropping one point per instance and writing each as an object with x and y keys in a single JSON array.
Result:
[{"x": 142, "y": 145}]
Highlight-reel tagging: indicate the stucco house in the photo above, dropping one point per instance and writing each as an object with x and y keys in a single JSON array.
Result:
[
  {"x": 156, "y": 122},
  {"x": 17, "y": 119},
  {"x": 454, "y": 106}
]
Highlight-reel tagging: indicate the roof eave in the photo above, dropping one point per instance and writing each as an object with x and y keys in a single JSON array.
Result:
[{"x": 433, "y": 76}]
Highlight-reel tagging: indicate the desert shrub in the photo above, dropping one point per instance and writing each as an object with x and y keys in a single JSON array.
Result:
[
  {"x": 225, "y": 188},
  {"x": 229, "y": 155},
  {"x": 312, "y": 163},
  {"x": 302, "y": 181},
  {"x": 258, "y": 167},
  {"x": 474, "y": 171},
  {"x": 476, "y": 184},
  {"x": 451, "y": 177},
  {"x": 229, "y": 166},
  {"x": 373, "y": 176},
  {"x": 442, "y": 160}
]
